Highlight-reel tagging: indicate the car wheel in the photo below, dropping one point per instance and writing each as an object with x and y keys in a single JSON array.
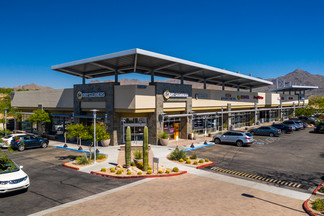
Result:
[
  {"x": 217, "y": 141},
  {"x": 21, "y": 148},
  {"x": 271, "y": 134},
  {"x": 283, "y": 131},
  {"x": 43, "y": 145},
  {"x": 239, "y": 143}
]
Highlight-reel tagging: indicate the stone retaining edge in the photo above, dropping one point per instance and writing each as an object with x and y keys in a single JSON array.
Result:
[
  {"x": 205, "y": 165},
  {"x": 318, "y": 187},
  {"x": 71, "y": 167},
  {"x": 137, "y": 177}
]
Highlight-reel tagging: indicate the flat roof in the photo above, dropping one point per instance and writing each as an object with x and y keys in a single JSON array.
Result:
[
  {"x": 294, "y": 88},
  {"x": 144, "y": 62}
]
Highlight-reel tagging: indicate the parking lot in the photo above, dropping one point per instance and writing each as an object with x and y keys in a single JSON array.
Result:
[
  {"x": 295, "y": 158},
  {"x": 51, "y": 183}
]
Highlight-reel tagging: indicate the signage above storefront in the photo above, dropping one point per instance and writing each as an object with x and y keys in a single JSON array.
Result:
[
  {"x": 168, "y": 95},
  {"x": 228, "y": 97},
  {"x": 243, "y": 97},
  {"x": 258, "y": 97},
  {"x": 81, "y": 95}
]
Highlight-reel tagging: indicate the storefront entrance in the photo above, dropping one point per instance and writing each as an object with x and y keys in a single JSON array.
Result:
[{"x": 137, "y": 129}]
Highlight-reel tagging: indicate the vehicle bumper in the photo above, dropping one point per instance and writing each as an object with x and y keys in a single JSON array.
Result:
[{"x": 14, "y": 187}]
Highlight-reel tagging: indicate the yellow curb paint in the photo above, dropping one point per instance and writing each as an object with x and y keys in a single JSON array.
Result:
[
  {"x": 271, "y": 180},
  {"x": 290, "y": 184},
  {"x": 295, "y": 185},
  {"x": 298, "y": 185}
]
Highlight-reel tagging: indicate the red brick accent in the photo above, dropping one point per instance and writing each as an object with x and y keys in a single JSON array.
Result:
[
  {"x": 138, "y": 176},
  {"x": 71, "y": 167}
]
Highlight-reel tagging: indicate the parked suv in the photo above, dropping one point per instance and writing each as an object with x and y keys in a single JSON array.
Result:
[
  {"x": 28, "y": 141},
  {"x": 237, "y": 137},
  {"x": 291, "y": 123},
  {"x": 284, "y": 128},
  {"x": 266, "y": 130}
]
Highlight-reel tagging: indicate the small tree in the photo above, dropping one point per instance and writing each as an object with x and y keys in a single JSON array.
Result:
[
  {"x": 40, "y": 117},
  {"x": 101, "y": 132},
  {"x": 79, "y": 131}
]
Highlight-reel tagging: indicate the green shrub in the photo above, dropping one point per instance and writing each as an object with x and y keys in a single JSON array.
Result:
[
  {"x": 103, "y": 169},
  {"x": 119, "y": 172},
  {"x": 149, "y": 172},
  {"x": 201, "y": 161},
  {"x": 318, "y": 204},
  {"x": 83, "y": 160},
  {"x": 163, "y": 135},
  {"x": 175, "y": 169},
  {"x": 132, "y": 164},
  {"x": 149, "y": 168},
  {"x": 188, "y": 161},
  {"x": 139, "y": 165},
  {"x": 180, "y": 160},
  {"x": 160, "y": 171},
  {"x": 167, "y": 171},
  {"x": 177, "y": 154},
  {"x": 321, "y": 189},
  {"x": 139, "y": 173},
  {"x": 194, "y": 156},
  {"x": 206, "y": 160},
  {"x": 186, "y": 158},
  {"x": 138, "y": 154},
  {"x": 112, "y": 169},
  {"x": 195, "y": 163},
  {"x": 129, "y": 172},
  {"x": 98, "y": 156}
]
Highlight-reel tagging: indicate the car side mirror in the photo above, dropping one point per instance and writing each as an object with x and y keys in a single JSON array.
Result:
[{"x": 21, "y": 167}]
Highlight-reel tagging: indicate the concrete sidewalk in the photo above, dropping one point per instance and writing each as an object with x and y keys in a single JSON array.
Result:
[{"x": 186, "y": 195}]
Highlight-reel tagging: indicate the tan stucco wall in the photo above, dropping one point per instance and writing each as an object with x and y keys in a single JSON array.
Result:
[
  {"x": 132, "y": 97},
  {"x": 55, "y": 98},
  {"x": 272, "y": 99}
]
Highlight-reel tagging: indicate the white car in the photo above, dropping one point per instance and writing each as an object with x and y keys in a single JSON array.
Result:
[
  {"x": 6, "y": 141},
  {"x": 12, "y": 178}
]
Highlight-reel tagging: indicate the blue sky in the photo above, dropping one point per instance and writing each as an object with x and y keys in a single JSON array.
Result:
[{"x": 265, "y": 38}]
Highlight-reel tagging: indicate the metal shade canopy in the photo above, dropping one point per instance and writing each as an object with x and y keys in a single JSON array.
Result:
[
  {"x": 150, "y": 63},
  {"x": 294, "y": 88}
]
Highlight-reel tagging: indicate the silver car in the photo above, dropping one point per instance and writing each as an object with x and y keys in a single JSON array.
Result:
[{"x": 237, "y": 137}]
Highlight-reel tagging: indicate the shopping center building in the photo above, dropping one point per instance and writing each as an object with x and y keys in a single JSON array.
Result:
[{"x": 178, "y": 109}]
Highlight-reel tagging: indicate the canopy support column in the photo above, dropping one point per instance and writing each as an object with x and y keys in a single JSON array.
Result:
[
  {"x": 116, "y": 77},
  {"x": 152, "y": 78},
  {"x": 205, "y": 84}
]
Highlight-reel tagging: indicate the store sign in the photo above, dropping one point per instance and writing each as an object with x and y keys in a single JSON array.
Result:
[
  {"x": 258, "y": 97},
  {"x": 168, "y": 95},
  {"x": 243, "y": 97},
  {"x": 228, "y": 97},
  {"x": 81, "y": 95},
  {"x": 201, "y": 96}
]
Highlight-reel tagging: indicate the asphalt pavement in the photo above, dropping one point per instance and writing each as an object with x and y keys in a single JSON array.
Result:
[
  {"x": 296, "y": 158},
  {"x": 51, "y": 183}
]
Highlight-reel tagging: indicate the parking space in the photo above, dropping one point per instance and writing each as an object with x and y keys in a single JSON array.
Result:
[
  {"x": 51, "y": 183},
  {"x": 295, "y": 158}
]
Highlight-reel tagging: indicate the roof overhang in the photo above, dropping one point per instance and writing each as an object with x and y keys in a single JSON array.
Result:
[
  {"x": 293, "y": 88},
  {"x": 146, "y": 62}
]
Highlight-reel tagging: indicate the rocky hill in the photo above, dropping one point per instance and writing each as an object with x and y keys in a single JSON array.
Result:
[
  {"x": 31, "y": 86},
  {"x": 300, "y": 77}
]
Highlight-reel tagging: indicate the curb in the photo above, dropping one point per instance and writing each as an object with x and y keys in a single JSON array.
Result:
[
  {"x": 189, "y": 149},
  {"x": 305, "y": 204},
  {"x": 318, "y": 187},
  {"x": 205, "y": 165},
  {"x": 71, "y": 167},
  {"x": 137, "y": 177},
  {"x": 308, "y": 211}
]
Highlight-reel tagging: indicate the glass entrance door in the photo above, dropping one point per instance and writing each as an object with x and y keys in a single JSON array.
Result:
[{"x": 137, "y": 129}]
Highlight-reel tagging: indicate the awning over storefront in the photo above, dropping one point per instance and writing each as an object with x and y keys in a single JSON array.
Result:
[
  {"x": 154, "y": 64},
  {"x": 293, "y": 88}
]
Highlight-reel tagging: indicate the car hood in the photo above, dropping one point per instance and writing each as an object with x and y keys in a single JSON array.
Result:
[{"x": 12, "y": 176}]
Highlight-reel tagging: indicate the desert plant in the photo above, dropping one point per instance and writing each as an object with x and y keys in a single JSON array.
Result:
[
  {"x": 119, "y": 172},
  {"x": 181, "y": 160},
  {"x": 128, "y": 147},
  {"x": 195, "y": 163},
  {"x": 188, "y": 161},
  {"x": 139, "y": 165},
  {"x": 83, "y": 160},
  {"x": 132, "y": 163},
  {"x": 206, "y": 160},
  {"x": 149, "y": 167},
  {"x": 318, "y": 204},
  {"x": 163, "y": 135},
  {"x": 139, "y": 173},
  {"x": 129, "y": 172},
  {"x": 321, "y": 190},
  {"x": 193, "y": 156},
  {"x": 160, "y": 171},
  {"x": 138, "y": 154},
  {"x": 149, "y": 172},
  {"x": 175, "y": 169},
  {"x": 145, "y": 149},
  {"x": 167, "y": 171},
  {"x": 99, "y": 156},
  {"x": 103, "y": 169},
  {"x": 186, "y": 158},
  {"x": 112, "y": 169},
  {"x": 201, "y": 161},
  {"x": 176, "y": 154}
]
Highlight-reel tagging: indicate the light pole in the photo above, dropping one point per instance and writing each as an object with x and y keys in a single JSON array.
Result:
[
  {"x": 5, "y": 122},
  {"x": 94, "y": 134}
]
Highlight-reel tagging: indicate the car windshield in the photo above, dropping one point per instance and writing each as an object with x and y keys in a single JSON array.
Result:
[{"x": 7, "y": 166}]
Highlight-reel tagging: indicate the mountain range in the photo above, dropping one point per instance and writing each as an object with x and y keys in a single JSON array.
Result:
[{"x": 298, "y": 76}]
